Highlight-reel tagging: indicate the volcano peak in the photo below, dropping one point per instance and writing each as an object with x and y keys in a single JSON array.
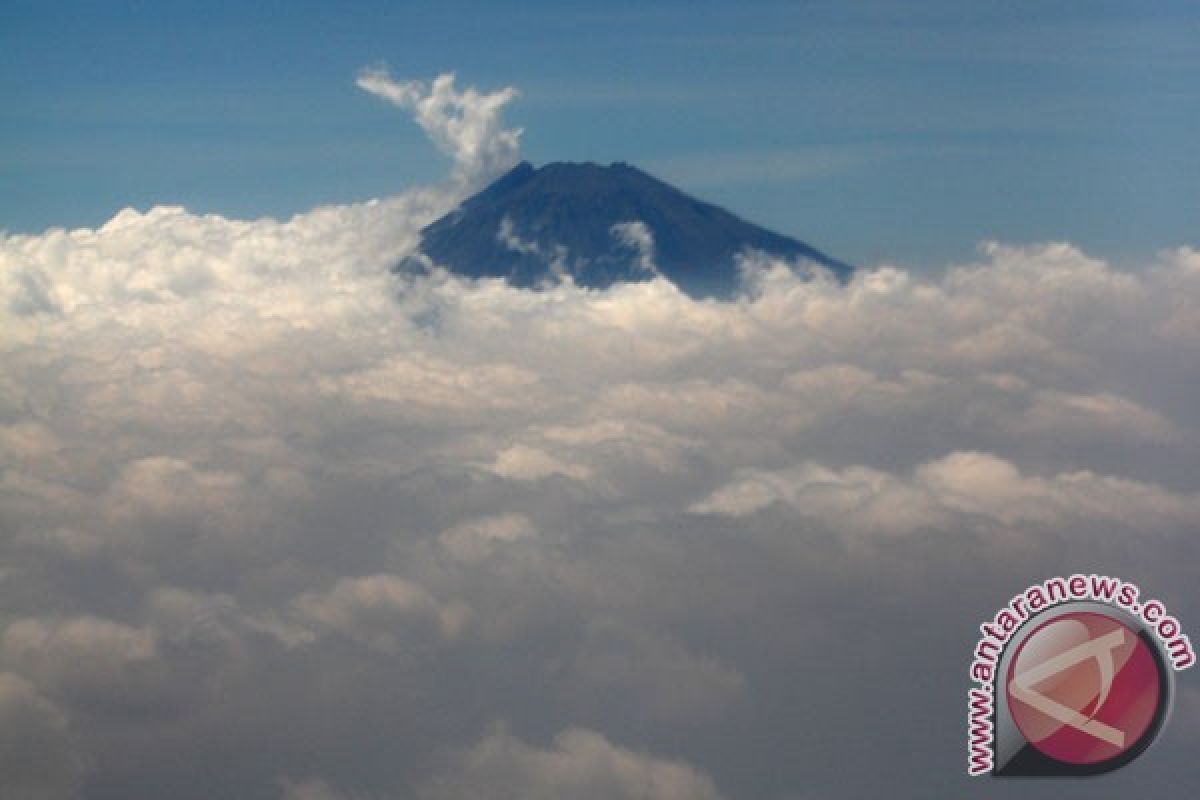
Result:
[{"x": 601, "y": 224}]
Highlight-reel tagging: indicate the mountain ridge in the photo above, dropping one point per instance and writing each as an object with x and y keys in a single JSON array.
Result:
[{"x": 591, "y": 221}]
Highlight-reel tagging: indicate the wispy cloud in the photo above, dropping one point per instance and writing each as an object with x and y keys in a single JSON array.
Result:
[{"x": 637, "y": 236}]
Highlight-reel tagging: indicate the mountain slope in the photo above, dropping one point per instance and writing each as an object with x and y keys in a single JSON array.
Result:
[{"x": 584, "y": 219}]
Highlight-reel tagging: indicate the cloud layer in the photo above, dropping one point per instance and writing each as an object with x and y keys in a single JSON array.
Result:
[{"x": 279, "y": 523}]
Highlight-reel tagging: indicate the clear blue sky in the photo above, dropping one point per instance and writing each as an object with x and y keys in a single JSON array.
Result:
[{"x": 872, "y": 131}]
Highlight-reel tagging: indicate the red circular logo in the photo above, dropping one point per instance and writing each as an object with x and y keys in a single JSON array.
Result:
[{"x": 1084, "y": 688}]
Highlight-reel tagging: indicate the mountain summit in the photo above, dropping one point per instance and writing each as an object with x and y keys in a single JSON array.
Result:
[{"x": 601, "y": 225}]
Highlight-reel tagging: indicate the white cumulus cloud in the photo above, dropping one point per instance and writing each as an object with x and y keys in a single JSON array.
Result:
[{"x": 579, "y": 763}]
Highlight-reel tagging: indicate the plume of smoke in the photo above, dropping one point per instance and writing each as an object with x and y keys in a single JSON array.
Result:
[{"x": 466, "y": 125}]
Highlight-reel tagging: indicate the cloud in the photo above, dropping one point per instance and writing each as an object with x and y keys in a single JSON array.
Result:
[
  {"x": 636, "y": 235},
  {"x": 465, "y": 125},
  {"x": 476, "y": 539},
  {"x": 85, "y": 658},
  {"x": 313, "y": 789},
  {"x": 555, "y": 256},
  {"x": 871, "y": 502},
  {"x": 653, "y": 676},
  {"x": 579, "y": 763},
  {"x": 523, "y": 463},
  {"x": 276, "y": 515},
  {"x": 507, "y": 236},
  {"x": 37, "y": 760},
  {"x": 377, "y": 611}
]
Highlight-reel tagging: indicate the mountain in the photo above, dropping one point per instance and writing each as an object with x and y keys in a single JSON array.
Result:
[{"x": 592, "y": 221}]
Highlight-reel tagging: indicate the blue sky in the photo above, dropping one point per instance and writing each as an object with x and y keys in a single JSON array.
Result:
[{"x": 874, "y": 132}]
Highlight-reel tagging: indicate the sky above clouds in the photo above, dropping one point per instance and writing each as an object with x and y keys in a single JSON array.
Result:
[
  {"x": 875, "y": 133},
  {"x": 277, "y": 523}
]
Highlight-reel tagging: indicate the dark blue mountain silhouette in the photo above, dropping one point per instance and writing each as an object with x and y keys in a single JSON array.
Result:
[{"x": 532, "y": 223}]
